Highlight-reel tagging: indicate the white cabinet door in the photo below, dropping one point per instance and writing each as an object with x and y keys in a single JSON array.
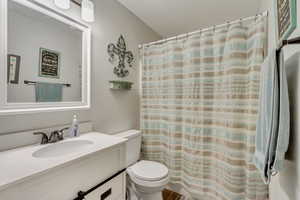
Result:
[{"x": 112, "y": 190}]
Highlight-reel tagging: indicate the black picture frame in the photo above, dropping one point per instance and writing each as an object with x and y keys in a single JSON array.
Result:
[
  {"x": 13, "y": 68},
  {"x": 49, "y": 63}
]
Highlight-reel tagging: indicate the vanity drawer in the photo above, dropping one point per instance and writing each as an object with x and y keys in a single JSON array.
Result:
[{"x": 112, "y": 190}]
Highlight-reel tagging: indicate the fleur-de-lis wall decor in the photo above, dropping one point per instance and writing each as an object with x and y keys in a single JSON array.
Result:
[{"x": 119, "y": 50}]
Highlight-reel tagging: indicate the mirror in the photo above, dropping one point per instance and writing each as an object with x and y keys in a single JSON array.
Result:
[
  {"x": 44, "y": 57},
  {"x": 47, "y": 58}
]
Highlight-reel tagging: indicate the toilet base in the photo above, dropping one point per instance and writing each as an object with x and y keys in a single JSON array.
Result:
[
  {"x": 153, "y": 196},
  {"x": 135, "y": 196},
  {"x": 137, "y": 192}
]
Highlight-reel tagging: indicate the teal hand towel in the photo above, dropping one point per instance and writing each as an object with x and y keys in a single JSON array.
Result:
[
  {"x": 48, "y": 92},
  {"x": 273, "y": 126},
  {"x": 268, "y": 112}
]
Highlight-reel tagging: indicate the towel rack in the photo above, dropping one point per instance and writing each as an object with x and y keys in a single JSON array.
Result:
[
  {"x": 82, "y": 194},
  {"x": 34, "y": 82},
  {"x": 76, "y": 2},
  {"x": 295, "y": 40}
]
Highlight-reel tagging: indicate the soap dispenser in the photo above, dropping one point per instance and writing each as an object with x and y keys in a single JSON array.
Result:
[{"x": 74, "y": 130}]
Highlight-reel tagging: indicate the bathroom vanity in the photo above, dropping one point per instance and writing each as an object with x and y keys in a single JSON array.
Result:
[{"x": 60, "y": 170}]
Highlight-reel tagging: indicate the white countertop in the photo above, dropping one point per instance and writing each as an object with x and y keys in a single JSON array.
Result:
[{"x": 18, "y": 165}]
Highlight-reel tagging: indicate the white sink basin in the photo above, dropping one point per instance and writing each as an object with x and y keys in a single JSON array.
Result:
[
  {"x": 62, "y": 148},
  {"x": 37, "y": 159}
]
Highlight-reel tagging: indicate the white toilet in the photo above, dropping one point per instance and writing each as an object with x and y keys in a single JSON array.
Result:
[{"x": 146, "y": 179}]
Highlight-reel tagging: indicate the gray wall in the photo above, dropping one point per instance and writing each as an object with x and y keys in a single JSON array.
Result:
[
  {"x": 286, "y": 185},
  {"x": 111, "y": 111}
]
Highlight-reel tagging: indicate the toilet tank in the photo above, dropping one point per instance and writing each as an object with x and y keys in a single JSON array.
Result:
[{"x": 133, "y": 145}]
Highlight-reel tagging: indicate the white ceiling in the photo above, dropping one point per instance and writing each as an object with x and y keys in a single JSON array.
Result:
[{"x": 173, "y": 17}]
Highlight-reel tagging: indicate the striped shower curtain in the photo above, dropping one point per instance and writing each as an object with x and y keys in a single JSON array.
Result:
[{"x": 199, "y": 109}]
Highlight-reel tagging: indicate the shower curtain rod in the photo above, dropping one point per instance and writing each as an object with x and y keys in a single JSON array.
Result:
[{"x": 203, "y": 30}]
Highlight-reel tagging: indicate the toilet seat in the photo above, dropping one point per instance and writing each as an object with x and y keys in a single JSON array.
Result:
[{"x": 149, "y": 171}]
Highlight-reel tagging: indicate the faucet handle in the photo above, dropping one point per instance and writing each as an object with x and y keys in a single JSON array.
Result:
[
  {"x": 45, "y": 138},
  {"x": 57, "y": 135},
  {"x": 61, "y": 132}
]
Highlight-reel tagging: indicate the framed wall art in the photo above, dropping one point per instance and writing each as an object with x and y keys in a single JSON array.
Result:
[
  {"x": 124, "y": 56},
  {"x": 49, "y": 63},
  {"x": 13, "y": 68},
  {"x": 286, "y": 18}
]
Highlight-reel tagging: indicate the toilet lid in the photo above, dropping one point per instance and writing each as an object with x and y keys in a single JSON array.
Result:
[{"x": 149, "y": 170}]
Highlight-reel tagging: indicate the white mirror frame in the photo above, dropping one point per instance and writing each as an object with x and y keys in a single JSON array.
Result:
[{"x": 20, "y": 108}]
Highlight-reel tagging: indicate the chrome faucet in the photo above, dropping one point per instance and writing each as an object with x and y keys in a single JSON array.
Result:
[{"x": 55, "y": 136}]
